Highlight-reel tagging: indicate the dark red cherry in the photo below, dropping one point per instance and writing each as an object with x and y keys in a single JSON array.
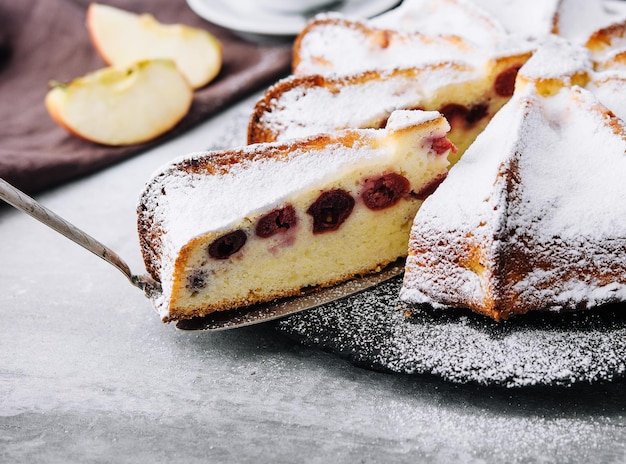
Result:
[
  {"x": 228, "y": 244},
  {"x": 330, "y": 210},
  {"x": 279, "y": 220},
  {"x": 454, "y": 111},
  {"x": 505, "y": 82},
  {"x": 385, "y": 191},
  {"x": 441, "y": 145},
  {"x": 476, "y": 113}
]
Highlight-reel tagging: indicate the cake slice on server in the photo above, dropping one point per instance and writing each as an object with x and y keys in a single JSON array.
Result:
[
  {"x": 532, "y": 217},
  {"x": 228, "y": 229}
]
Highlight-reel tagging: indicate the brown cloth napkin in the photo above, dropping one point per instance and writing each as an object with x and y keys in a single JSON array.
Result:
[{"x": 44, "y": 40}]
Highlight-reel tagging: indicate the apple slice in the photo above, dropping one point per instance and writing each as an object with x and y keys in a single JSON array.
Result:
[
  {"x": 122, "y": 106},
  {"x": 122, "y": 37}
]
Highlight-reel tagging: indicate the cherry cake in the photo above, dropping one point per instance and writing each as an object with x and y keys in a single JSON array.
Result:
[{"x": 232, "y": 228}]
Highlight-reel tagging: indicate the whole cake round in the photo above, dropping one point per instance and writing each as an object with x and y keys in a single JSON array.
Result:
[{"x": 528, "y": 219}]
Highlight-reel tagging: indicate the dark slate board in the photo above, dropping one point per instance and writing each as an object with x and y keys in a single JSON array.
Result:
[{"x": 372, "y": 330}]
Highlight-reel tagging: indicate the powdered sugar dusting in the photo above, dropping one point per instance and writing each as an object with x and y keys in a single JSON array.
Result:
[
  {"x": 302, "y": 110},
  {"x": 530, "y": 19},
  {"x": 370, "y": 329},
  {"x": 590, "y": 169},
  {"x": 402, "y": 119},
  {"x": 609, "y": 90},
  {"x": 247, "y": 187},
  {"x": 534, "y": 19},
  {"x": 557, "y": 58},
  {"x": 417, "y": 33},
  {"x": 547, "y": 133},
  {"x": 345, "y": 48},
  {"x": 462, "y": 18},
  {"x": 542, "y": 180},
  {"x": 578, "y": 19}
]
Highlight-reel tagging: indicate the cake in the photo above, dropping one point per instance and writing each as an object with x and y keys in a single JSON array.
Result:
[
  {"x": 343, "y": 152},
  {"x": 573, "y": 20},
  {"x": 608, "y": 46},
  {"x": 464, "y": 18},
  {"x": 447, "y": 56},
  {"x": 459, "y": 57},
  {"x": 231, "y": 228},
  {"x": 333, "y": 44},
  {"x": 466, "y": 95},
  {"x": 532, "y": 217}
]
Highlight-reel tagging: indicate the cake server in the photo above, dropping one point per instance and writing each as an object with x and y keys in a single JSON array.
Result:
[
  {"x": 220, "y": 320},
  {"x": 28, "y": 205}
]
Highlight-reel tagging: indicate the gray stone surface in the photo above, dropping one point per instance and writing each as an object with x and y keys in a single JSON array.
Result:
[{"x": 88, "y": 373}]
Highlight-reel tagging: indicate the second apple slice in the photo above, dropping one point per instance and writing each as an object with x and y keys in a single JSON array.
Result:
[{"x": 122, "y": 106}]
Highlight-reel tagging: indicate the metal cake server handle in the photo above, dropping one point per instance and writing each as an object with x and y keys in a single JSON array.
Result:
[
  {"x": 24, "y": 203},
  {"x": 220, "y": 320}
]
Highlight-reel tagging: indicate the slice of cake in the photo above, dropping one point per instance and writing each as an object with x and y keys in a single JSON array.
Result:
[
  {"x": 532, "y": 217},
  {"x": 333, "y": 44},
  {"x": 467, "y": 95},
  {"x": 227, "y": 229},
  {"x": 448, "y": 56}
]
